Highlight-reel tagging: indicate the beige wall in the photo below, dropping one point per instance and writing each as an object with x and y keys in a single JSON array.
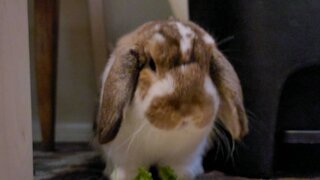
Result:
[
  {"x": 76, "y": 92},
  {"x": 122, "y": 16},
  {"x": 76, "y": 88}
]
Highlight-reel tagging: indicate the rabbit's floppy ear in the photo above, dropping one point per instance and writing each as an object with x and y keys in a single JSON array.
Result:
[
  {"x": 231, "y": 111},
  {"x": 117, "y": 91}
]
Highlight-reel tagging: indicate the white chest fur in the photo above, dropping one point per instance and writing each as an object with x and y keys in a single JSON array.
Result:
[{"x": 138, "y": 143}]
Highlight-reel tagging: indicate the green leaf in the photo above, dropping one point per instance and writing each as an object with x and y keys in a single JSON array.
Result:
[
  {"x": 143, "y": 174},
  {"x": 167, "y": 173}
]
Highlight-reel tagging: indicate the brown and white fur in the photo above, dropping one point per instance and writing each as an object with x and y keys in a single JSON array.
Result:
[{"x": 164, "y": 86}]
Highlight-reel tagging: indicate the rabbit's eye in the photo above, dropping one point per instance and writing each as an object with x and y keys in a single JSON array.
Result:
[{"x": 152, "y": 65}]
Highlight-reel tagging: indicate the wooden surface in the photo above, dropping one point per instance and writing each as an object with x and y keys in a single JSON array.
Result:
[
  {"x": 45, "y": 54},
  {"x": 15, "y": 100}
]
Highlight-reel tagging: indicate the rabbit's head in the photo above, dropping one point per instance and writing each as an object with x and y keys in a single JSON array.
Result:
[{"x": 177, "y": 75}]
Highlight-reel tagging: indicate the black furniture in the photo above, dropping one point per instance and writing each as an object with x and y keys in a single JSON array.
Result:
[{"x": 274, "y": 46}]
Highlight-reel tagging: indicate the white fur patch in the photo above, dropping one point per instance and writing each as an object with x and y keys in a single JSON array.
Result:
[
  {"x": 157, "y": 27},
  {"x": 140, "y": 144},
  {"x": 208, "y": 39},
  {"x": 186, "y": 36},
  {"x": 158, "y": 38},
  {"x": 183, "y": 68},
  {"x": 211, "y": 89},
  {"x": 160, "y": 88},
  {"x": 119, "y": 173}
]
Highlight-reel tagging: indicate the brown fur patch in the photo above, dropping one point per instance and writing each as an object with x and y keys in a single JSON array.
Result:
[
  {"x": 231, "y": 110},
  {"x": 169, "y": 111},
  {"x": 189, "y": 99},
  {"x": 144, "y": 83},
  {"x": 188, "y": 70}
]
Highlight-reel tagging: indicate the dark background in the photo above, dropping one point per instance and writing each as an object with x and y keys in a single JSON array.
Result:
[{"x": 274, "y": 46}]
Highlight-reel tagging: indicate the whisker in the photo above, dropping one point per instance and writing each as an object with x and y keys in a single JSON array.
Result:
[
  {"x": 222, "y": 139},
  {"x": 227, "y": 143},
  {"x": 225, "y": 40},
  {"x": 231, "y": 154},
  {"x": 127, "y": 139},
  {"x": 217, "y": 141},
  {"x": 134, "y": 135}
]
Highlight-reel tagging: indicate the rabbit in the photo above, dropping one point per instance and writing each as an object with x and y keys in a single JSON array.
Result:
[{"x": 164, "y": 86}]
